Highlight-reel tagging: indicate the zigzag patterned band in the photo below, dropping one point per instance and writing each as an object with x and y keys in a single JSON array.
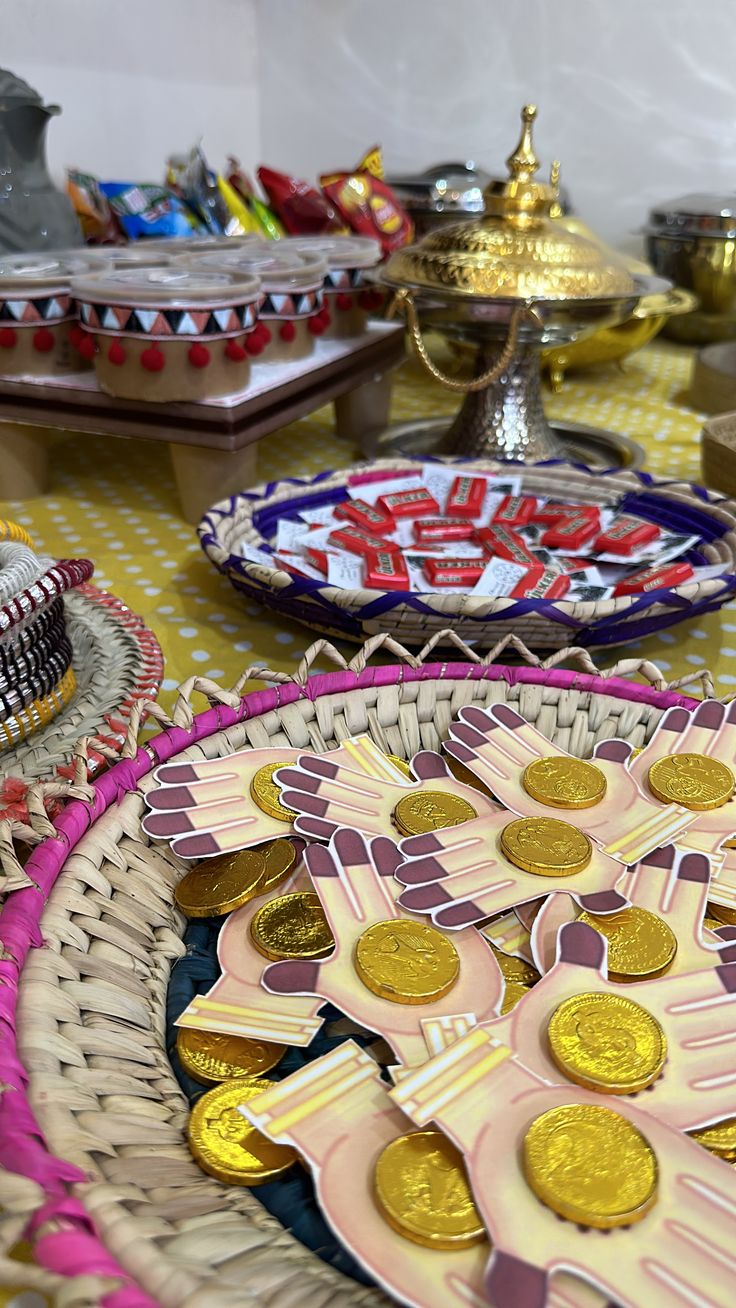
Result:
[
  {"x": 168, "y": 324},
  {"x": 38, "y": 311}
]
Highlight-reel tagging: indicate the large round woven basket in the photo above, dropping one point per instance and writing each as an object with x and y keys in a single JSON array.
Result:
[
  {"x": 118, "y": 665},
  {"x": 92, "y": 1116},
  {"x": 251, "y": 519}
]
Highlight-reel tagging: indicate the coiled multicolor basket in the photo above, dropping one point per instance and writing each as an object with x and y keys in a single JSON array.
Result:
[
  {"x": 92, "y": 1117},
  {"x": 251, "y": 518}
]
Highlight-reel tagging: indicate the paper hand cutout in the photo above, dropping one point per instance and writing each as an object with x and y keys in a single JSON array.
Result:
[
  {"x": 497, "y": 744},
  {"x": 205, "y": 808},
  {"x": 675, "y": 887},
  {"x": 354, "y": 879},
  {"x": 723, "y": 882},
  {"x": 461, "y": 877},
  {"x": 680, "y": 1253},
  {"x": 696, "y": 1011},
  {"x": 328, "y": 795},
  {"x": 237, "y": 1003},
  {"x": 338, "y": 1115}
]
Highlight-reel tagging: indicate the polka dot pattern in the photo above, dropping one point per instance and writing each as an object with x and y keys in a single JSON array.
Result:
[{"x": 116, "y": 502}]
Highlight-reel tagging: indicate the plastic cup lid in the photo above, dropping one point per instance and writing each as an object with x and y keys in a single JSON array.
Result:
[
  {"x": 278, "y": 264},
  {"x": 168, "y": 286},
  {"x": 341, "y": 251},
  {"x": 40, "y": 271}
]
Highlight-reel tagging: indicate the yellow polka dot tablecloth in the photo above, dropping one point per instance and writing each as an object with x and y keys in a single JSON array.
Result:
[{"x": 114, "y": 500}]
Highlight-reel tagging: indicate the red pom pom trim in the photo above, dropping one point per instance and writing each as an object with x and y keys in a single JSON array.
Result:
[
  {"x": 253, "y": 344},
  {"x": 43, "y": 340},
  {"x": 87, "y": 347},
  {"x": 153, "y": 359},
  {"x": 76, "y": 335},
  {"x": 8, "y": 338},
  {"x": 264, "y": 333},
  {"x": 287, "y": 332},
  {"x": 116, "y": 354},
  {"x": 316, "y": 325},
  {"x": 325, "y": 316},
  {"x": 235, "y": 351},
  {"x": 199, "y": 355},
  {"x": 343, "y": 301}
]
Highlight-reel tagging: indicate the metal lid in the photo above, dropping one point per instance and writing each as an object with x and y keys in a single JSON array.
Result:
[
  {"x": 35, "y": 273},
  {"x": 695, "y": 215},
  {"x": 172, "y": 287},
  {"x": 516, "y": 251},
  {"x": 278, "y": 264},
  {"x": 339, "y": 251},
  {"x": 442, "y": 188}
]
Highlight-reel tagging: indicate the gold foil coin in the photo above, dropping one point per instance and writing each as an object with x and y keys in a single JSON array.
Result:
[
  {"x": 431, "y": 810},
  {"x": 515, "y": 969},
  {"x": 513, "y": 992},
  {"x": 724, "y": 916},
  {"x": 693, "y": 780},
  {"x": 266, "y": 794},
  {"x": 719, "y": 1139},
  {"x": 607, "y": 1043},
  {"x": 292, "y": 926},
  {"x": 225, "y": 1144},
  {"x": 422, "y": 1190},
  {"x": 210, "y": 1057},
  {"x": 590, "y": 1165},
  {"x": 564, "y": 782},
  {"x": 401, "y": 764},
  {"x": 406, "y": 962},
  {"x": 640, "y": 944},
  {"x": 220, "y": 885},
  {"x": 546, "y": 846},
  {"x": 463, "y": 774}
]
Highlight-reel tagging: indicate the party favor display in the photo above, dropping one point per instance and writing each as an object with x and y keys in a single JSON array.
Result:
[
  {"x": 406, "y": 546},
  {"x": 39, "y": 335},
  {"x": 432, "y": 1102}
]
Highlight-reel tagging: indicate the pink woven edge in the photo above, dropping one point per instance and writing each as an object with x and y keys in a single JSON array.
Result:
[{"x": 76, "y": 1249}]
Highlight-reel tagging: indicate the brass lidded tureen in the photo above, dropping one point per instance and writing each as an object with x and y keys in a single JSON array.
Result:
[{"x": 509, "y": 283}]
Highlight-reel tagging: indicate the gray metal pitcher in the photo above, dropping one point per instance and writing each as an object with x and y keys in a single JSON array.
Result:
[{"x": 34, "y": 215}]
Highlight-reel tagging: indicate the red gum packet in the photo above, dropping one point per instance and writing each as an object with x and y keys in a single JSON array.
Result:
[
  {"x": 503, "y": 543},
  {"x": 317, "y": 558},
  {"x": 466, "y": 497},
  {"x": 360, "y": 542},
  {"x": 453, "y": 572},
  {"x": 364, "y": 515},
  {"x": 552, "y": 510},
  {"x": 429, "y": 530},
  {"x": 409, "y": 503},
  {"x": 514, "y": 511},
  {"x": 541, "y": 583},
  {"x": 626, "y": 535},
  {"x": 302, "y": 210},
  {"x": 570, "y": 533},
  {"x": 386, "y": 571},
  {"x": 672, "y": 574}
]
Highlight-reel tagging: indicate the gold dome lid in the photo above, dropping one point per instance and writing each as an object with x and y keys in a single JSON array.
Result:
[{"x": 516, "y": 251}]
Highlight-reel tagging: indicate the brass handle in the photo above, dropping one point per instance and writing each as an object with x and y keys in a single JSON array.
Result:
[{"x": 403, "y": 302}]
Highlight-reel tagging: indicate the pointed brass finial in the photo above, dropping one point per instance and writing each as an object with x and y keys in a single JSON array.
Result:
[{"x": 523, "y": 163}]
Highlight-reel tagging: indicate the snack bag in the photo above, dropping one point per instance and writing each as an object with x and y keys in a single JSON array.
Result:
[
  {"x": 369, "y": 207},
  {"x": 372, "y": 162},
  {"x": 146, "y": 209},
  {"x": 242, "y": 218},
  {"x": 302, "y": 210},
  {"x": 92, "y": 208}
]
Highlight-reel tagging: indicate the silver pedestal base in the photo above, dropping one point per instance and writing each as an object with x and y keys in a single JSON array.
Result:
[
  {"x": 506, "y": 419},
  {"x": 590, "y": 445}
]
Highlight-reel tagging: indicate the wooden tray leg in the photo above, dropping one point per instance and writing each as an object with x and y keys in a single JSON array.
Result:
[
  {"x": 24, "y": 460},
  {"x": 364, "y": 410},
  {"x": 205, "y": 476}
]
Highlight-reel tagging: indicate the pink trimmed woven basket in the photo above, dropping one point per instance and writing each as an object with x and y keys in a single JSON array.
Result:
[{"x": 97, "y": 1171}]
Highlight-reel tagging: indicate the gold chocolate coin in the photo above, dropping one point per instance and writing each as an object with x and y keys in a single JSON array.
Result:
[
  {"x": 210, "y": 1057},
  {"x": 225, "y": 1144},
  {"x": 546, "y": 846},
  {"x": 292, "y": 926},
  {"x": 462, "y": 773},
  {"x": 513, "y": 992},
  {"x": 422, "y": 1190},
  {"x": 640, "y": 944},
  {"x": 267, "y": 795},
  {"x": 724, "y": 916},
  {"x": 720, "y": 1139},
  {"x": 515, "y": 969},
  {"x": 431, "y": 810},
  {"x": 693, "y": 780},
  {"x": 406, "y": 962},
  {"x": 401, "y": 764},
  {"x": 712, "y": 923},
  {"x": 220, "y": 885},
  {"x": 564, "y": 782},
  {"x": 607, "y": 1042},
  {"x": 590, "y": 1165}
]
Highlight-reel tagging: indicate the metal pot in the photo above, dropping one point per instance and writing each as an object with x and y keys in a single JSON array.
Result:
[{"x": 692, "y": 241}]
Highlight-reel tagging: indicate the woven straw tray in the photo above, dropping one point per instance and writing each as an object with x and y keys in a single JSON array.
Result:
[
  {"x": 118, "y": 664},
  {"x": 251, "y": 518},
  {"x": 92, "y": 1118}
]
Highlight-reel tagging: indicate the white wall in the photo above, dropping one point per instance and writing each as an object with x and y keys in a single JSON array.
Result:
[
  {"x": 637, "y": 97},
  {"x": 138, "y": 79}
]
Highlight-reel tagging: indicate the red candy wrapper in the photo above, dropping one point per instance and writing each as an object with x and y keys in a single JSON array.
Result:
[
  {"x": 671, "y": 574},
  {"x": 515, "y": 511},
  {"x": 415, "y": 503},
  {"x": 428, "y": 530},
  {"x": 369, "y": 207},
  {"x": 570, "y": 533},
  {"x": 503, "y": 543},
  {"x": 386, "y": 570},
  {"x": 466, "y": 497},
  {"x": 541, "y": 583},
  {"x": 317, "y": 558},
  {"x": 626, "y": 535},
  {"x": 357, "y": 541},
  {"x": 551, "y": 511},
  {"x": 302, "y": 210},
  {"x": 453, "y": 572},
  {"x": 365, "y": 515}
]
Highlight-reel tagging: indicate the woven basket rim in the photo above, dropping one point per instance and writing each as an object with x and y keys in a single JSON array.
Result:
[
  {"x": 479, "y": 608},
  {"x": 21, "y": 916}
]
